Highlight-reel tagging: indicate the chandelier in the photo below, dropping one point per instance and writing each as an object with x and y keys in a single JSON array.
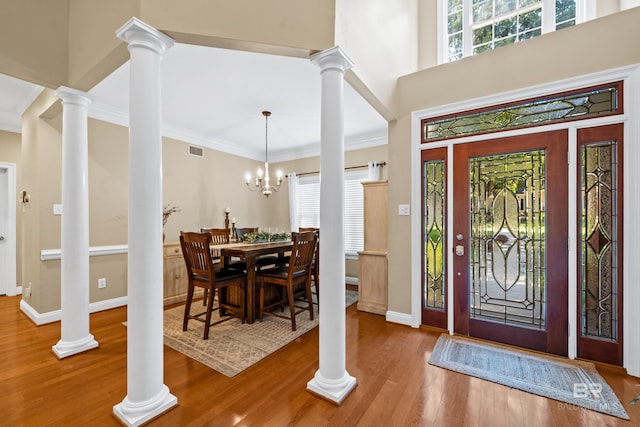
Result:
[{"x": 263, "y": 181}]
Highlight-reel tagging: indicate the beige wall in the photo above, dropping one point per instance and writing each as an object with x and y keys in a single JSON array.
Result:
[
  {"x": 381, "y": 51},
  {"x": 203, "y": 187},
  {"x": 73, "y": 42},
  {"x": 312, "y": 164},
  {"x": 40, "y": 160},
  {"x": 261, "y": 26},
  {"x": 583, "y": 49},
  {"x": 381, "y": 37},
  {"x": 94, "y": 49},
  {"x": 10, "y": 148},
  {"x": 33, "y": 40},
  {"x": 276, "y": 26},
  {"x": 428, "y": 44},
  {"x": 200, "y": 186},
  {"x": 575, "y": 51}
]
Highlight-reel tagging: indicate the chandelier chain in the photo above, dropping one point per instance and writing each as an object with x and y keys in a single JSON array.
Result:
[{"x": 263, "y": 182}]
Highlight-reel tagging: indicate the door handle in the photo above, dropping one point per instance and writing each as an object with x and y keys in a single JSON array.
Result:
[{"x": 459, "y": 250}]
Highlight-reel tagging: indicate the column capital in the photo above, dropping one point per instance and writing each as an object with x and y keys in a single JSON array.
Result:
[
  {"x": 333, "y": 58},
  {"x": 74, "y": 96},
  {"x": 137, "y": 33}
]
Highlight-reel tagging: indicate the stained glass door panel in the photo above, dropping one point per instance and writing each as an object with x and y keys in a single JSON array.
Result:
[
  {"x": 507, "y": 240},
  {"x": 510, "y": 254}
]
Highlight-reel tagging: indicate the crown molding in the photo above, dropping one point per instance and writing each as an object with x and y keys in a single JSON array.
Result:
[{"x": 102, "y": 112}]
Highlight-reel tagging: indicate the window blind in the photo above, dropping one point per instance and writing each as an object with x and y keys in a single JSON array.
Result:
[{"x": 309, "y": 207}]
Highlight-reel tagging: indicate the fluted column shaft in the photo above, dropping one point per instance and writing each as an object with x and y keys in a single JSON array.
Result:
[{"x": 332, "y": 381}]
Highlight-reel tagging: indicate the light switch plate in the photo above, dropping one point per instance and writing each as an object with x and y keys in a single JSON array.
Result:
[
  {"x": 404, "y": 210},
  {"x": 57, "y": 209}
]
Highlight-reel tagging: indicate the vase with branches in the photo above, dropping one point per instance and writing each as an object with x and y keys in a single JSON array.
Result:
[{"x": 167, "y": 211}]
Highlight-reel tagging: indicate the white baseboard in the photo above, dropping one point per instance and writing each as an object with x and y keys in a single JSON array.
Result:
[
  {"x": 56, "y": 315},
  {"x": 401, "y": 318}
]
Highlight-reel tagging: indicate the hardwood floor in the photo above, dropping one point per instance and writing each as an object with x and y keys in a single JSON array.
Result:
[{"x": 396, "y": 385}]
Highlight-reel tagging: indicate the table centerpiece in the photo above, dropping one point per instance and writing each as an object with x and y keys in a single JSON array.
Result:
[{"x": 264, "y": 237}]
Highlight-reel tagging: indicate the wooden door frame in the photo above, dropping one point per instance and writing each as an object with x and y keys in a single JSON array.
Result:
[
  {"x": 10, "y": 233},
  {"x": 593, "y": 348},
  {"x": 555, "y": 337},
  {"x": 432, "y": 317}
]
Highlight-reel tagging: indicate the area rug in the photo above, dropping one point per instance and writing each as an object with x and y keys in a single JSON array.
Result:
[
  {"x": 574, "y": 382},
  {"x": 233, "y": 346}
]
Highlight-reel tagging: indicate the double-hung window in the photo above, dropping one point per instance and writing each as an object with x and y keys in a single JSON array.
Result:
[
  {"x": 474, "y": 26},
  {"x": 309, "y": 207}
]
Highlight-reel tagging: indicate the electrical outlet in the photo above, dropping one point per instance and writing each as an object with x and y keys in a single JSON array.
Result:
[
  {"x": 102, "y": 283},
  {"x": 404, "y": 210}
]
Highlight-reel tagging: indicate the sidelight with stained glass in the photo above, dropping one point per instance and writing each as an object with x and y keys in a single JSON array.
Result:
[
  {"x": 599, "y": 240},
  {"x": 507, "y": 241},
  {"x": 434, "y": 287}
]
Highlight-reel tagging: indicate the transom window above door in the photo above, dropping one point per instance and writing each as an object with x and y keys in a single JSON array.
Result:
[{"x": 475, "y": 26}]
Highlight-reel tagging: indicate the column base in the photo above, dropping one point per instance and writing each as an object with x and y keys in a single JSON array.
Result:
[
  {"x": 68, "y": 348},
  {"x": 135, "y": 414},
  {"x": 335, "y": 391}
]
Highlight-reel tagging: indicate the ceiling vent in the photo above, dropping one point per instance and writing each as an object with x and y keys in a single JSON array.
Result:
[{"x": 196, "y": 151}]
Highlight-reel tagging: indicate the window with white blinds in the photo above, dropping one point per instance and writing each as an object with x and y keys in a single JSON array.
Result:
[{"x": 309, "y": 207}]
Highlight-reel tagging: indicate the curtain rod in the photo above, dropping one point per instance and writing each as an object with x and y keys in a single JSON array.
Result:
[{"x": 349, "y": 168}]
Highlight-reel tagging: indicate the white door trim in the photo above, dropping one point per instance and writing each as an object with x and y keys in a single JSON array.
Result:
[
  {"x": 10, "y": 234},
  {"x": 631, "y": 269}
]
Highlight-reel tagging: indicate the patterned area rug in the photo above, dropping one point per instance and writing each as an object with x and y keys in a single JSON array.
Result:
[
  {"x": 232, "y": 346},
  {"x": 574, "y": 382}
]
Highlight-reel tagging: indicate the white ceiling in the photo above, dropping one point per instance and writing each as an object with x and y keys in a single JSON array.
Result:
[
  {"x": 15, "y": 96},
  {"x": 215, "y": 97}
]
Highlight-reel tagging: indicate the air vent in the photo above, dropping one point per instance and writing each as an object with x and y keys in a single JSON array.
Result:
[{"x": 196, "y": 151}]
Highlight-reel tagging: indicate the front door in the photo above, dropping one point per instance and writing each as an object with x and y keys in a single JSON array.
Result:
[{"x": 510, "y": 240}]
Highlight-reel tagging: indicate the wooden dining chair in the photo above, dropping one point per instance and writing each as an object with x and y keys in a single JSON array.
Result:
[
  {"x": 315, "y": 264},
  {"x": 201, "y": 273},
  {"x": 219, "y": 236},
  {"x": 294, "y": 279}
]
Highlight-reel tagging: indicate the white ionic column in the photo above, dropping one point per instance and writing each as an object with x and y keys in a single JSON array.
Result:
[
  {"x": 332, "y": 381},
  {"x": 74, "y": 277},
  {"x": 147, "y": 396}
]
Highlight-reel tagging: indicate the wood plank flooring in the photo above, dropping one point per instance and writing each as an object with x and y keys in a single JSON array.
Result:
[{"x": 396, "y": 385}]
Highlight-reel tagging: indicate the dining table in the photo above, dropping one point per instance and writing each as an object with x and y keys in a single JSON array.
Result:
[{"x": 249, "y": 252}]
